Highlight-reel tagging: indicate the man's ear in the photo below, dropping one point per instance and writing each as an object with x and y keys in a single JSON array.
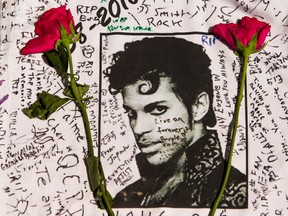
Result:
[{"x": 201, "y": 106}]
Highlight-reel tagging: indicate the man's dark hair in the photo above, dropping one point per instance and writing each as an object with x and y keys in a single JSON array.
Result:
[{"x": 184, "y": 62}]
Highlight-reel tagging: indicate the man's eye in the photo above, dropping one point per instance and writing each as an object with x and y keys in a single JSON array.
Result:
[{"x": 159, "y": 110}]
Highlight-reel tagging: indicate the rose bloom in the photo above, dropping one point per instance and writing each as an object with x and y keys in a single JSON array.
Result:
[
  {"x": 243, "y": 31},
  {"x": 48, "y": 30}
]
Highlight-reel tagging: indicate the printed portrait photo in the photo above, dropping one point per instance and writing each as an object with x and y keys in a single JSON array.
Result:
[{"x": 159, "y": 104}]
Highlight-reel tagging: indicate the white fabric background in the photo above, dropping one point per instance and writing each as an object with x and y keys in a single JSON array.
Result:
[{"x": 51, "y": 178}]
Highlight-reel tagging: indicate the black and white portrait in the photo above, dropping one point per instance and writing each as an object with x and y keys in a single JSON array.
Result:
[{"x": 166, "y": 89}]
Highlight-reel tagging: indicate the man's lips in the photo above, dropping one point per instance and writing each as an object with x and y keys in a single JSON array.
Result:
[{"x": 150, "y": 148}]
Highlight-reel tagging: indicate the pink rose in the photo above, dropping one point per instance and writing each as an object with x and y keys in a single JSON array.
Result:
[
  {"x": 243, "y": 31},
  {"x": 48, "y": 30}
]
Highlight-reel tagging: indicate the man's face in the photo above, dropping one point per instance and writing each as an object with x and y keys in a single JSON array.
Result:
[{"x": 160, "y": 121}]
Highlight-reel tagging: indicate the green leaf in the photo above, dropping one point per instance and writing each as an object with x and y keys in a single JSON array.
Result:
[
  {"x": 45, "y": 105},
  {"x": 72, "y": 30},
  {"x": 63, "y": 32},
  {"x": 95, "y": 179},
  {"x": 76, "y": 38},
  {"x": 108, "y": 199},
  {"x": 97, "y": 183},
  {"x": 238, "y": 44},
  {"x": 103, "y": 203},
  {"x": 58, "y": 60},
  {"x": 57, "y": 44},
  {"x": 82, "y": 90},
  {"x": 253, "y": 43}
]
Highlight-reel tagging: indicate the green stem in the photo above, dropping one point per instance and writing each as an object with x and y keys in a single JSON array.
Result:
[
  {"x": 108, "y": 207},
  {"x": 80, "y": 104},
  {"x": 104, "y": 189},
  {"x": 83, "y": 111},
  {"x": 245, "y": 56}
]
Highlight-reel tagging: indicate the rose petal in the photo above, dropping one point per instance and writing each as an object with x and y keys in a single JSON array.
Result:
[
  {"x": 64, "y": 22},
  {"x": 244, "y": 31},
  {"x": 48, "y": 29},
  {"x": 248, "y": 27},
  {"x": 225, "y": 33},
  {"x": 41, "y": 26},
  {"x": 45, "y": 29},
  {"x": 242, "y": 34},
  {"x": 70, "y": 17},
  {"x": 40, "y": 44},
  {"x": 253, "y": 23},
  {"x": 262, "y": 36},
  {"x": 49, "y": 21}
]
